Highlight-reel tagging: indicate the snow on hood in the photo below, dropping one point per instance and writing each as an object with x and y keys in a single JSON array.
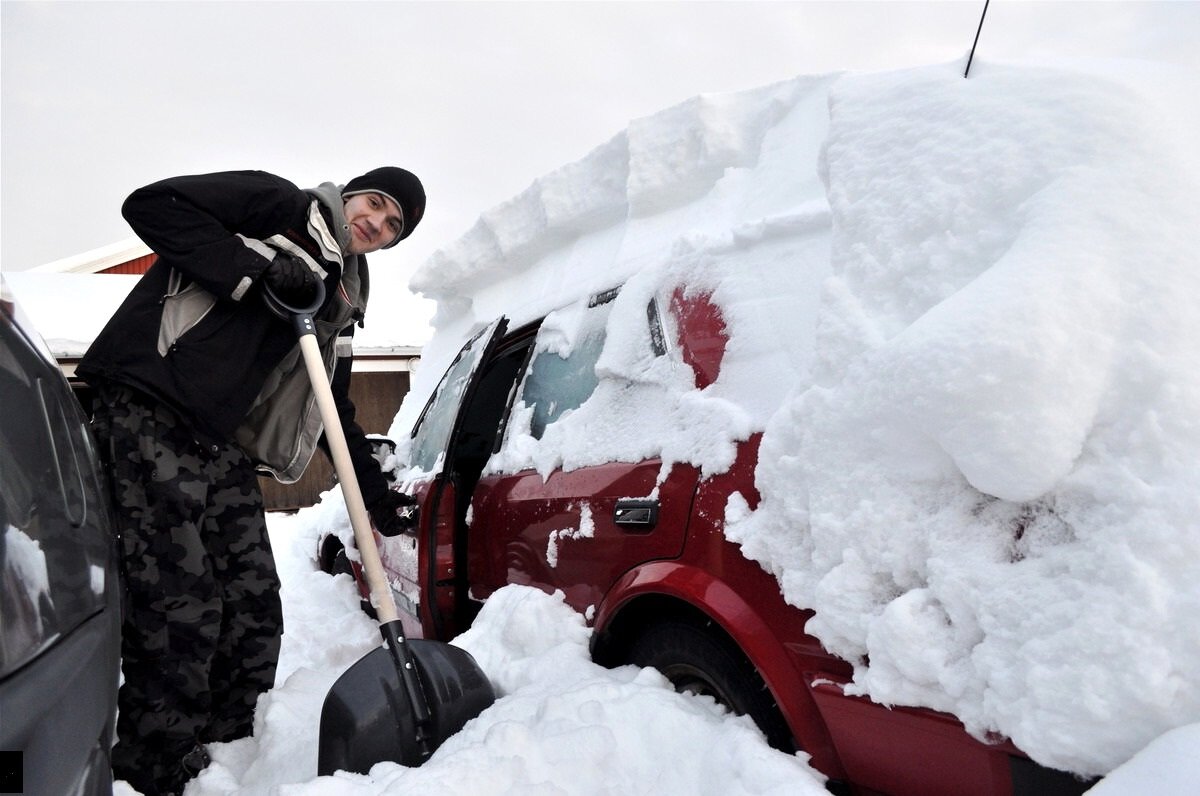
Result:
[{"x": 963, "y": 312}]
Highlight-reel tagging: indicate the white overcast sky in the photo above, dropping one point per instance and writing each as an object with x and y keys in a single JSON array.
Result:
[{"x": 477, "y": 98}]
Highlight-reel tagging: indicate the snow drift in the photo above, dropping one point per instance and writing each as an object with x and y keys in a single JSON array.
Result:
[
  {"x": 962, "y": 312},
  {"x": 999, "y": 454}
]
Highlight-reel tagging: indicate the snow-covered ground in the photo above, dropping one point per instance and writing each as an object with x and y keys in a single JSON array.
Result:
[
  {"x": 981, "y": 454},
  {"x": 562, "y": 724}
]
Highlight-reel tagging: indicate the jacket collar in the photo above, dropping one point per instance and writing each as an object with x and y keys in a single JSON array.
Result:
[{"x": 327, "y": 224}]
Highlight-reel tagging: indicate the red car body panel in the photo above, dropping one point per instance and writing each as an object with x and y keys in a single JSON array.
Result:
[{"x": 536, "y": 529}]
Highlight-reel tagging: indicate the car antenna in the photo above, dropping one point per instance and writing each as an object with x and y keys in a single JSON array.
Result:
[{"x": 977, "y": 30}]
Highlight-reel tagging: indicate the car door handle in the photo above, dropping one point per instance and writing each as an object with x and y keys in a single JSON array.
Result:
[{"x": 636, "y": 515}]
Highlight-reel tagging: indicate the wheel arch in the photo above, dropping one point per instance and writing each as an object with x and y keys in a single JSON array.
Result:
[
  {"x": 635, "y": 615},
  {"x": 664, "y": 591},
  {"x": 672, "y": 590}
]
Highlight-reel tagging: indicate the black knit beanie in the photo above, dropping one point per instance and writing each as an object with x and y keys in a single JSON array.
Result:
[{"x": 401, "y": 186}]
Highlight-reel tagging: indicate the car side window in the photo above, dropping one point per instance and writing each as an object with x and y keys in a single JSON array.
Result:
[
  {"x": 558, "y": 383},
  {"x": 562, "y": 373},
  {"x": 69, "y": 470},
  {"x": 53, "y": 545},
  {"x": 433, "y": 427}
]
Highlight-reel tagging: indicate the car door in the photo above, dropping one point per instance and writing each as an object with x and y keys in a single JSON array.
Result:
[
  {"x": 422, "y": 565},
  {"x": 568, "y": 526}
]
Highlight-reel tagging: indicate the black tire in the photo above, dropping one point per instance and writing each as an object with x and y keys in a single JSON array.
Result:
[
  {"x": 341, "y": 564},
  {"x": 334, "y": 561},
  {"x": 330, "y": 548},
  {"x": 704, "y": 661}
]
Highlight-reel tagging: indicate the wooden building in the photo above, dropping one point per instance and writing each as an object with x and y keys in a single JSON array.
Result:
[{"x": 379, "y": 381}]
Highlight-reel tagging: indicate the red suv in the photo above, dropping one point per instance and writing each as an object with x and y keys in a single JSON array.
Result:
[{"x": 637, "y": 546}]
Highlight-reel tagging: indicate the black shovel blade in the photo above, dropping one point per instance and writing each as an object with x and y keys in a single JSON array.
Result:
[{"x": 368, "y": 717}]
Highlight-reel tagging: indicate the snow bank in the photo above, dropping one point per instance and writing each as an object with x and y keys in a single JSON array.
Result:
[
  {"x": 962, "y": 311},
  {"x": 562, "y": 723},
  {"x": 1169, "y": 764}
]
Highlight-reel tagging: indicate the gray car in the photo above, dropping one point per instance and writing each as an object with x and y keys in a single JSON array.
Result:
[{"x": 59, "y": 591}]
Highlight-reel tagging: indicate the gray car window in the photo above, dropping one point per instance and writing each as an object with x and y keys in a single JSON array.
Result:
[
  {"x": 437, "y": 421},
  {"x": 557, "y": 384}
]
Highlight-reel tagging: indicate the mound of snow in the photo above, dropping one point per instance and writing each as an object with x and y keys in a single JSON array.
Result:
[
  {"x": 962, "y": 312},
  {"x": 991, "y": 489}
]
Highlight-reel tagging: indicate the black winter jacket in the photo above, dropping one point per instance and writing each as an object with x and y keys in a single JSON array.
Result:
[{"x": 194, "y": 332}]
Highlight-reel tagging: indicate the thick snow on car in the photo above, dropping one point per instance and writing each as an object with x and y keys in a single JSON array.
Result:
[
  {"x": 800, "y": 397},
  {"x": 637, "y": 546}
]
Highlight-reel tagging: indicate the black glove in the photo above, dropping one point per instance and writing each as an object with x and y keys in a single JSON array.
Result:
[
  {"x": 394, "y": 513},
  {"x": 291, "y": 280}
]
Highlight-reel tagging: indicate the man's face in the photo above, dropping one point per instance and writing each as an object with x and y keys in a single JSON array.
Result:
[{"x": 374, "y": 220}]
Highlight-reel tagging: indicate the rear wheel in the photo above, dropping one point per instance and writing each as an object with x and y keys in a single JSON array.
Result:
[{"x": 699, "y": 660}]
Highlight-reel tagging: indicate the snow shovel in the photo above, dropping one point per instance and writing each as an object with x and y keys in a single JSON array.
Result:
[{"x": 404, "y": 698}]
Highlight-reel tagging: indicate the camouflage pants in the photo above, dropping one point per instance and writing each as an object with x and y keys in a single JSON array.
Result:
[{"x": 202, "y": 616}]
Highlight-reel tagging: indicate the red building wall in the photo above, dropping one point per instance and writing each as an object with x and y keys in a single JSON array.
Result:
[{"x": 138, "y": 265}]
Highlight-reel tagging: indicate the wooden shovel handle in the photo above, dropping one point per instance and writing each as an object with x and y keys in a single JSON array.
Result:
[{"x": 381, "y": 593}]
